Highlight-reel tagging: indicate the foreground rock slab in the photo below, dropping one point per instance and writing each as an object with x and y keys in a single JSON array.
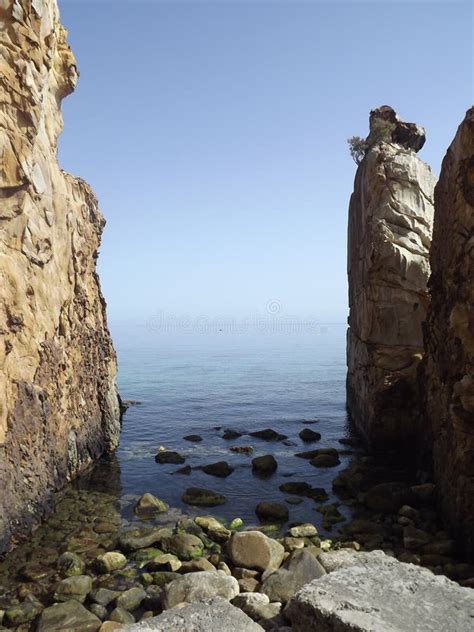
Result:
[
  {"x": 381, "y": 594},
  {"x": 214, "y": 615}
]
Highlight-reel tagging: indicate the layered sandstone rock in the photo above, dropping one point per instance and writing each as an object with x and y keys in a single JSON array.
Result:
[
  {"x": 448, "y": 371},
  {"x": 389, "y": 236},
  {"x": 58, "y": 403}
]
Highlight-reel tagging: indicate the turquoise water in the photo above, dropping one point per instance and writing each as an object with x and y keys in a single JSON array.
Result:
[{"x": 190, "y": 383}]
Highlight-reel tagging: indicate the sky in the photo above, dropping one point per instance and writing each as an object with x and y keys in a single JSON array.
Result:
[{"x": 214, "y": 134}]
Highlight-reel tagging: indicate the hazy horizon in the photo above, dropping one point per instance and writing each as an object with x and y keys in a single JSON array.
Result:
[{"x": 215, "y": 138}]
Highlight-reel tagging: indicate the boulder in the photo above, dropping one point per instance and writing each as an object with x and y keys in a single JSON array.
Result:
[
  {"x": 254, "y": 550},
  {"x": 299, "y": 569},
  {"x": 264, "y": 465},
  {"x": 381, "y": 593},
  {"x": 141, "y": 538},
  {"x": 201, "y": 497},
  {"x": 168, "y": 456},
  {"x": 70, "y": 616},
  {"x": 213, "y": 615},
  {"x": 198, "y": 586}
]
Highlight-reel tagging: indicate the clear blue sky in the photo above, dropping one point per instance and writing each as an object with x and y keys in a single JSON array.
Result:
[{"x": 214, "y": 134}]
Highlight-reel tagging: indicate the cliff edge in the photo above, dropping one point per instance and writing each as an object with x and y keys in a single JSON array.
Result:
[{"x": 59, "y": 409}]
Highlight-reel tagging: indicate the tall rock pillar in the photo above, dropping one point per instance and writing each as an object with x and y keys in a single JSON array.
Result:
[
  {"x": 448, "y": 370},
  {"x": 389, "y": 236},
  {"x": 59, "y": 407}
]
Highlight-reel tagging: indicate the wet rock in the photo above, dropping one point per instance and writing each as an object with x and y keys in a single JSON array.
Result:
[
  {"x": 22, "y": 613},
  {"x": 305, "y": 530},
  {"x": 272, "y": 512},
  {"x": 311, "y": 454},
  {"x": 309, "y": 435},
  {"x": 140, "y": 538},
  {"x": 254, "y": 550},
  {"x": 264, "y": 465},
  {"x": 231, "y": 434},
  {"x": 187, "y": 469},
  {"x": 77, "y": 587},
  {"x": 110, "y": 561},
  {"x": 215, "y": 529},
  {"x": 325, "y": 460},
  {"x": 131, "y": 598},
  {"x": 184, "y": 545},
  {"x": 35, "y": 572},
  {"x": 213, "y": 615},
  {"x": 300, "y": 568},
  {"x": 120, "y": 615},
  {"x": 242, "y": 449},
  {"x": 194, "y": 438},
  {"x": 70, "y": 564},
  {"x": 148, "y": 505},
  {"x": 201, "y": 497},
  {"x": 268, "y": 435},
  {"x": 301, "y": 488},
  {"x": 381, "y": 593},
  {"x": 197, "y": 586},
  {"x": 220, "y": 469},
  {"x": 142, "y": 556},
  {"x": 168, "y": 456},
  {"x": 70, "y": 616}
]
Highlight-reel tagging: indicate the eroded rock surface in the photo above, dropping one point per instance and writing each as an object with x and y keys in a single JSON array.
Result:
[
  {"x": 448, "y": 371},
  {"x": 389, "y": 236},
  {"x": 59, "y": 408}
]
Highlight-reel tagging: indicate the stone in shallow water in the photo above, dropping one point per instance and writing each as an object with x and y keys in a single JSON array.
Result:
[
  {"x": 77, "y": 588},
  {"x": 242, "y": 449},
  {"x": 325, "y": 460},
  {"x": 215, "y": 529},
  {"x": 194, "y": 438},
  {"x": 110, "y": 561},
  {"x": 231, "y": 434},
  {"x": 130, "y": 599},
  {"x": 201, "y": 497},
  {"x": 309, "y": 435},
  {"x": 268, "y": 435},
  {"x": 22, "y": 613},
  {"x": 272, "y": 512},
  {"x": 373, "y": 591},
  {"x": 168, "y": 456},
  {"x": 213, "y": 615},
  {"x": 148, "y": 504},
  {"x": 184, "y": 545},
  {"x": 264, "y": 465},
  {"x": 197, "y": 586},
  {"x": 70, "y": 564},
  {"x": 221, "y": 469},
  {"x": 70, "y": 616},
  {"x": 141, "y": 538}
]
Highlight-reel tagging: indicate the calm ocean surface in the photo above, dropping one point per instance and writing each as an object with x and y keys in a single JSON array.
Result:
[{"x": 192, "y": 383}]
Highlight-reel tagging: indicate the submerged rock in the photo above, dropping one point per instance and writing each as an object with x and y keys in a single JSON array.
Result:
[
  {"x": 148, "y": 505},
  {"x": 201, "y": 497},
  {"x": 272, "y": 512},
  {"x": 168, "y": 456},
  {"x": 70, "y": 564}
]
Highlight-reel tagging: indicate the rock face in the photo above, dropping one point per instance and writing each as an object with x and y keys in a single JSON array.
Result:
[
  {"x": 380, "y": 593},
  {"x": 59, "y": 407},
  {"x": 448, "y": 371},
  {"x": 389, "y": 236}
]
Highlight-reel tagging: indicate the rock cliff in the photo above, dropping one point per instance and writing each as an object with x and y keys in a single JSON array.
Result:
[
  {"x": 448, "y": 371},
  {"x": 59, "y": 407},
  {"x": 389, "y": 236}
]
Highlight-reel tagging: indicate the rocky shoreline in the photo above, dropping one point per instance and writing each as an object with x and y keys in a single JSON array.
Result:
[{"x": 89, "y": 568}]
